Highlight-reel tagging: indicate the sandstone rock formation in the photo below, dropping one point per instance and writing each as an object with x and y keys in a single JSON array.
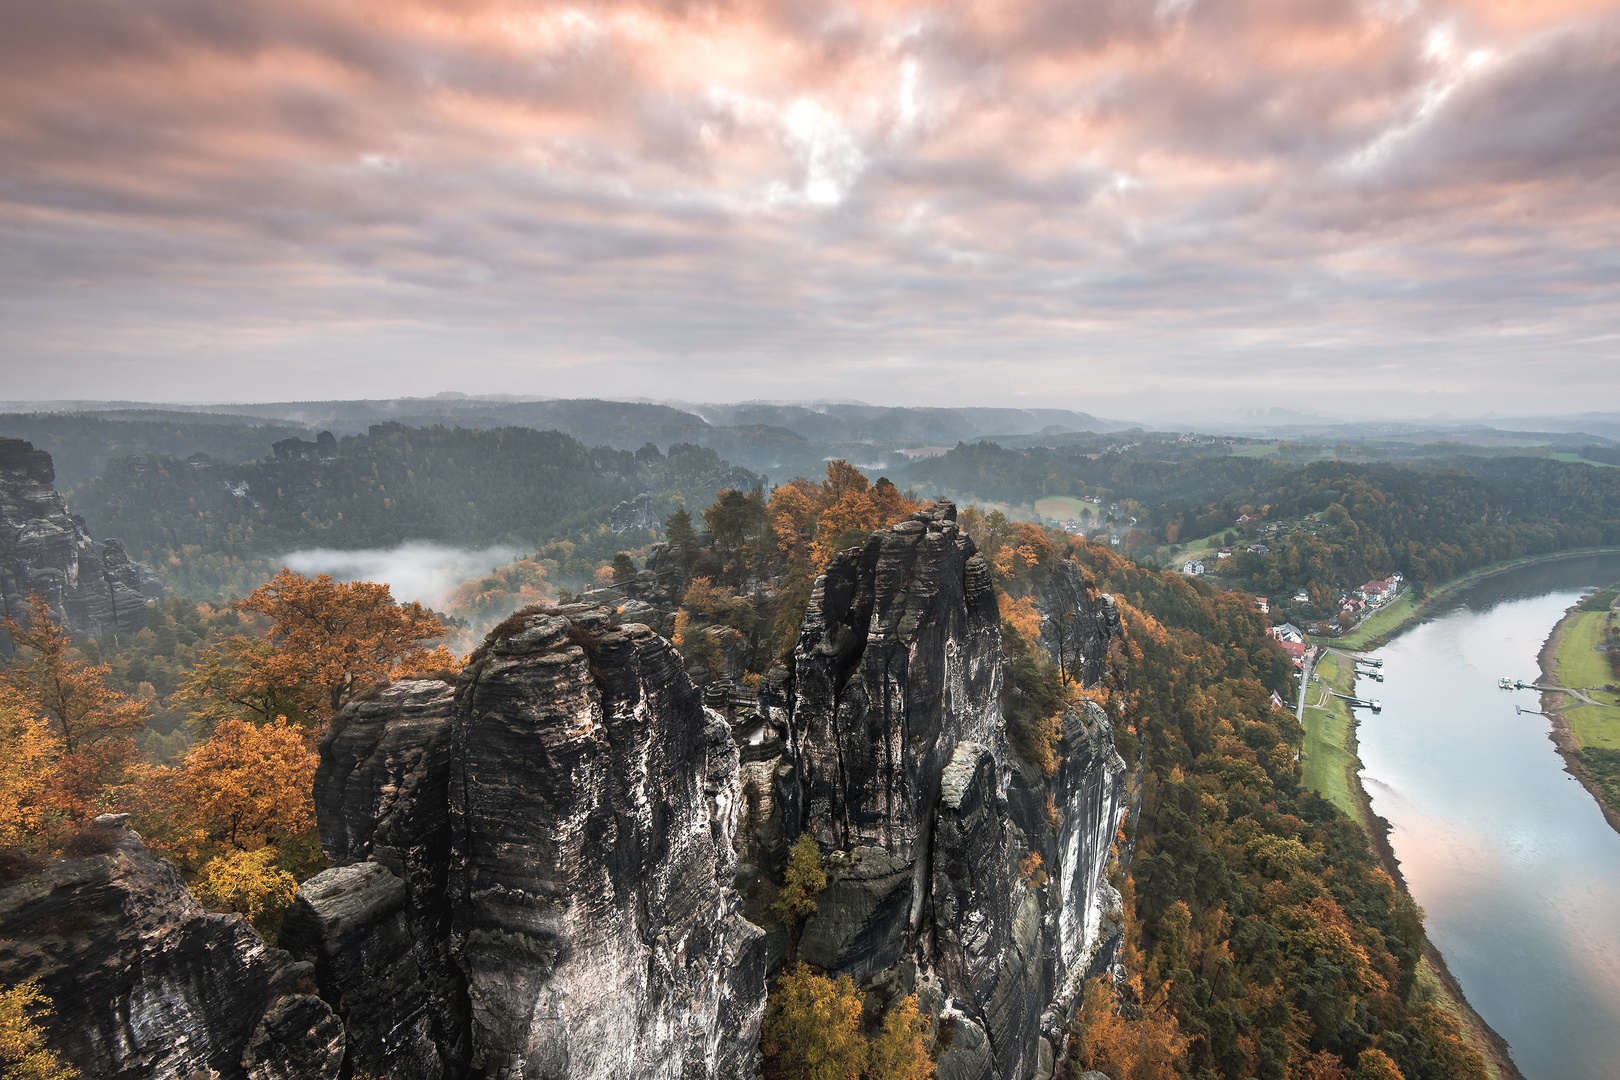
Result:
[
  {"x": 636, "y": 513},
  {"x": 540, "y": 871},
  {"x": 147, "y": 984},
  {"x": 45, "y": 550},
  {"x": 897, "y": 762},
  {"x": 536, "y": 868}
]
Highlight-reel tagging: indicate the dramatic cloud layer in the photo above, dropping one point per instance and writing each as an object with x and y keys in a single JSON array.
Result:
[{"x": 990, "y": 200}]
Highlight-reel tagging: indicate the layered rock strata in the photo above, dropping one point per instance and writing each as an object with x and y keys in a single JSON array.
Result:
[
  {"x": 948, "y": 867},
  {"x": 536, "y": 867},
  {"x": 145, "y": 983},
  {"x": 44, "y": 549},
  {"x": 537, "y": 872}
]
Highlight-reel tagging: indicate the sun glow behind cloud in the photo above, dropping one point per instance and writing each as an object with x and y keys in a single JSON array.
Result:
[{"x": 772, "y": 198}]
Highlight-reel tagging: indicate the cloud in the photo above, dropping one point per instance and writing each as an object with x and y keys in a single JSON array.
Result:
[
  {"x": 914, "y": 201},
  {"x": 416, "y": 570}
]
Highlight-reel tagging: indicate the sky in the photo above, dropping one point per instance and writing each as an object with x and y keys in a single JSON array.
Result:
[{"x": 1362, "y": 208}]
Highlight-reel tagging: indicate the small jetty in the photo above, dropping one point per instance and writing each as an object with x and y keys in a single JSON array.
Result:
[
  {"x": 1519, "y": 684},
  {"x": 1375, "y": 705}
]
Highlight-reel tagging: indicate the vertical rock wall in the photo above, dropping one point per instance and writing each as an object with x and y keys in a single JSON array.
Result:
[
  {"x": 44, "y": 549},
  {"x": 948, "y": 867}
]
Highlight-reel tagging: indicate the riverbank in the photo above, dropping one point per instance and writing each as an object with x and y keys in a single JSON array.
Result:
[
  {"x": 1332, "y": 768},
  {"x": 1382, "y": 625},
  {"x": 1587, "y": 735}
]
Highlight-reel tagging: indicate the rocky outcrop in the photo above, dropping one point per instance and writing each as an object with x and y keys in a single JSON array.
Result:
[
  {"x": 324, "y": 448},
  {"x": 145, "y": 983},
  {"x": 591, "y": 886},
  {"x": 948, "y": 865},
  {"x": 535, "y": 868},
  {"x": 898, "y": 661},
  {"x": 636, "y": 513},
  {"x": 540, "y": 871},
  {"x": 46, "y": 550}
]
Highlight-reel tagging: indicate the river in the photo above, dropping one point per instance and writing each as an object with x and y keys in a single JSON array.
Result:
[{"x": 1509, "y": 856}]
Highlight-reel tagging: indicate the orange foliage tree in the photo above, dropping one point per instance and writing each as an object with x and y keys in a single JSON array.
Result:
[
  {"x": 329, "y": 640},
  {"x": 29, "y": 751},
  {"x": 486, "y": 600},
  {"x": 248, "y": 786},
  {"x": 813, "y": 1028},
  {"x": 90, "y": 751},
  {"x": 73, "y": 693},
  {"x": 1145, "y": 1046}
]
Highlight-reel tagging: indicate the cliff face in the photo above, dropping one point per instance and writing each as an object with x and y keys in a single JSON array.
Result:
[
  {"x": 593, "y": 807},
  {"x": 147, "y": 984},
  {"x": 538, "y": 871},
  {"x": 44, "y": 549},
  {"x": 897, "y": 762}
]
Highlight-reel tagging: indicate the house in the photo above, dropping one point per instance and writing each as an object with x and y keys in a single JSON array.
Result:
[
  {"x": 1296, "y": 651},
  {"x": 1225, "y": 553},
  {"x": 1277, "y": 702},
  {"x": 1264, "y": 605},
  {"x": 1302, "y": 597},
  {"x": 1376, "y": 592},
  {"x": 1260, "y": 549},
  {"x": 1287, "y": 632},
  {"x": 1192, "y": 567}
]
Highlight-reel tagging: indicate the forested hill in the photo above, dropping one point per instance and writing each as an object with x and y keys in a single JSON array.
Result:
[
  {"x": 81, "y": 444},
  {"x": 1325, "y": 527},
  {"x": 211, "y": 528}
]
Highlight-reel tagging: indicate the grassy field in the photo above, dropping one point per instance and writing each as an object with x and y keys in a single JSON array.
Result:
[
  {"x": 1062, "y": 507},
  {"x": 1257, "y": 450},
  {"x": 1581, "y": 665},
  {"x": 1330, "y": 764},
  {"x": 1582, "y": 461}
]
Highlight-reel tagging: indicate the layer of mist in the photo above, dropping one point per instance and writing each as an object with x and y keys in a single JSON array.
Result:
[{"x": 415, "y": 570}]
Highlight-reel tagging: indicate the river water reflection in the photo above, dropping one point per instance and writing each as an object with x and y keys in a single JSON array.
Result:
[{"x": 1508, "y": 855}]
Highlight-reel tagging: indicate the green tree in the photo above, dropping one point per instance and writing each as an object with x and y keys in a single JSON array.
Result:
[{"x": 681, "y": 536}]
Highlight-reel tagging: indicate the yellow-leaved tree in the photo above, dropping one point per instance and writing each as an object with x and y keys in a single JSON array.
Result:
[
  {"x": 23, "y": 1055},
  {"x": 813, "y": 1032},
  {"x": 29, "y": 751},
  {"x": 248, "y": 882}
]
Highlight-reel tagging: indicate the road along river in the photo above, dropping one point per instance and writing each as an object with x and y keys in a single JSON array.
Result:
[{"x": 1506, "y": 852}]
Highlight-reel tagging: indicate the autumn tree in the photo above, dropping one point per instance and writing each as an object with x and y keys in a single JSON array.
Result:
[
  {"x": 331, "y": 640},
  {"x": 23, "y": 1054},
  {"x": 234, "y": 678},
  {"x": 248, "y": 786},
  {"x": 1146, "y": 1046},
  {"x": 812, "y": 1028},
  {"x": 249, "y": 883},
  {"x": 29, "y": 753},
  {"x": 899, "y": 1049},
  {"x": 72, "y": 693},
  {"x": 485, "y": 600},
  {"x": 804, "y": 879},
  {"x": 1374, "y": 1064}
]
